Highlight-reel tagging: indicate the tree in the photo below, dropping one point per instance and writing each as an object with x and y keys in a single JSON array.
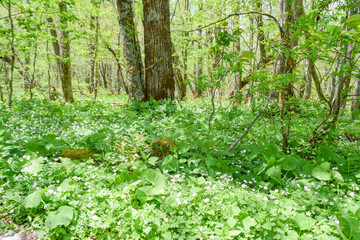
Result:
[
  {"x": 131, "y": 50},
  {"x": 12, "y": 62},
  {"x": 61, "y": 44},
  {"x": 159, "y": 72}
]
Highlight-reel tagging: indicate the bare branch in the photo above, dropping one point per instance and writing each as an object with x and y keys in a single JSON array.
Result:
[
  {"x": 252, "y": 123},
  {"x": 239, "y": 14}
]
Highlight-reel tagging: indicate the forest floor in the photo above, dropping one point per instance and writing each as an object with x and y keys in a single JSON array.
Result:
[{"x": 154, "y": 170}]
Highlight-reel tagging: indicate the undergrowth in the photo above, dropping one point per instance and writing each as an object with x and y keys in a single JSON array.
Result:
[{"x": 126, "y": 187}]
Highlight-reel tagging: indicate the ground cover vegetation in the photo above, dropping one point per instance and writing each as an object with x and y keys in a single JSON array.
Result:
[
  {"x": 180, "y": 119},
  {"x": 192, "y": 189}
]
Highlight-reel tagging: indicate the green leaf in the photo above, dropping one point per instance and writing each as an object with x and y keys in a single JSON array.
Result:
[
  {"x": 147, "y": 230},
  {"x": 184, "y": 149},
  {"x": 168, "y": 159},
  {"x": 152, "y": 160},
  {"x": 62, "y": 217},
  {"x": 157, "y": 178},
  {"x": 321, "y": 172},
  {"x": 234, "y": 233},
  {"x": 34, "y": 166},
  {"x": 96, "y": 137},
  {"x": 304, "y": 222},
  {"x": 231, "y": 222},
  {"x": 290, "y": 163},
  {"x": 291, "y": 235},
  {"x": 275, "y": 174},
  {"x": 336, "y": 175},
  {"x": 247, "y": 54},
  {"x": 33, "y": 200},
  {"x": 349, "y": 226},
  {"x": 357, "y": 214},
  {"x": 67, "y": 163},
  {"x": 353, "y": 18}
]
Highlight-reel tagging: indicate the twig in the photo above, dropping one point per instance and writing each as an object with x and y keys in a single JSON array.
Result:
[
  {"x": 252, "y": 123},
  {"x": 213, "y": 108},
  {"x": 177, "y": 99}
]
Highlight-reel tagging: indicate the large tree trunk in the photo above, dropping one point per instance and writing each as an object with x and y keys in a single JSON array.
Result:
[
  {"x": 133, "y": 63},
  {"x": 160, "y": 82}
]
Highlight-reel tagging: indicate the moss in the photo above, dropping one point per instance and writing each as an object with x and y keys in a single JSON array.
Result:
[
  {"x": 76, "y": 154},
  {"x": 161, "y": 147}
]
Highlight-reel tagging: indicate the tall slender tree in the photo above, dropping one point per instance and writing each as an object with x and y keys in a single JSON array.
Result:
[{"x": 131, "y": 50}]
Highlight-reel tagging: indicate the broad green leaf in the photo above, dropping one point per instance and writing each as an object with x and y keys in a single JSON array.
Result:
[
  {"x": 233, "y": 233},
  {"x": 33, "y": 200},
  {"x": 357, "y": 214},
  {"x": 166, "y": 235},
  {"x": 267, "y": 226},
  {"x": 249, "y": 222},
  {"x": 291, "y": 235},
  {"x": 290, "y": 163},
  {"x": 184, "y": 149},
  {"x": 336, "y": 175},
  {"x": 321, "y": 172},
  {"x": 349, "y": 226},
  {"x": 353, "y": 18},
  {"x": 231, "y": 222},
  {"x": 67, "y": 163},
  {"x": 168, "y": 159},
  {"x": 62, "y": 217},
  {"x": 247, "y": 54},
  {"x": 147, "y": 230},
  {"x": 275, "y": 174},
  {"x": 304, "y": 222},
  {"x": 325, "y": 153},
  {"x": 34, "y": 166},
  {"x": 152, "y": 160},
  {"x": 156, "y": 178}
]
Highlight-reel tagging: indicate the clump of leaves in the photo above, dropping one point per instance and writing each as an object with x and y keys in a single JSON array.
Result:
[{"x": 161, "y": 147}]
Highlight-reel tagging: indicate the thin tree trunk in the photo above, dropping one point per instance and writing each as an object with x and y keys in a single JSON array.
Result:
[
  {"x": 355, "y": 106},
  {"x": 64, "y": 44},
  {"x": 12, "y": 63},
  {"x": 308, "y": 80},
  {"x": 93, "y": 48},
  {"x": 316, "y": 80},
  {"x": 133, "y": 63},
  {"x": 32, "y": 80},
  {"x": 180, "y": 84},
  {"x": 49, "y": 68}
]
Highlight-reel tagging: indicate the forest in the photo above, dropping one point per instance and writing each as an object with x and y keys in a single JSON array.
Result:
[{"x": 179, "y": 119}]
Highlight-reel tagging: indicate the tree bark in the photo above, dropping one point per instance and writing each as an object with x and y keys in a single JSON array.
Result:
[
  {"x": 131, "y": 49},
  {"x": 308, "y": 80},
  {"x": 93, "y": 48},
  {"x": 12, "y": 63},
  {"x": 355, "y": 106},
  {"x": 180, "y": 84},
  {"x": 65, "y": 62},
  {"x": 159, "y": 80}
]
